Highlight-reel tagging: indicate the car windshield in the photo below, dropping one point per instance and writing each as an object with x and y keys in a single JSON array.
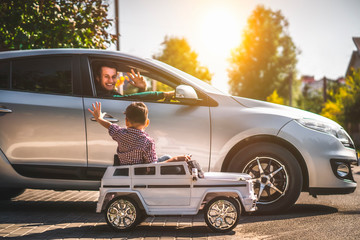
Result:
[{"x": 199, "y": 83}]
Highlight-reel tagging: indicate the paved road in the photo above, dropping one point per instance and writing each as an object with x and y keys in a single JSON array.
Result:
[{"x": 40, "y": 214}]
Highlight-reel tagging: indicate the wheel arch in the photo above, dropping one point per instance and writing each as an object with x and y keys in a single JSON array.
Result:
[
  {"x": 269, "y": 139},
  {"x": 112, "y": 195},
  {"x": 210, "y": 195}
]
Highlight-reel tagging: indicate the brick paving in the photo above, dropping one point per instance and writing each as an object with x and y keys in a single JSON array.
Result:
[{"x": 47, "y": 214}]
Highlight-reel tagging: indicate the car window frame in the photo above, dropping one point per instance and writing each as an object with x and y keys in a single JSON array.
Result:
[
  {"x": 9, "y": 72},
  {"x": 204, "y": 99},
  {"x": 164, "y": 170},
  {"x": 75, "y": 73}
]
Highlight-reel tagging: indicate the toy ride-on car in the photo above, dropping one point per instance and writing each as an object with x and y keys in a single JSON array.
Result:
[{"x": 129, "y": 193}]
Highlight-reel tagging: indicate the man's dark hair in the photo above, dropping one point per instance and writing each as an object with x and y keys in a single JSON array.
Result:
[
  {"x": 137, "y": 112},
  {"x": 99, "y": 65}
]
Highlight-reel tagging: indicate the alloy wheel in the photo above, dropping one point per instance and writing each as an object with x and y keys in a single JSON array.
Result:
[{"x": 270, "y": 179}]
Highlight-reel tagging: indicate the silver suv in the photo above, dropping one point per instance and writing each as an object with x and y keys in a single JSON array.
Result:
[{"x": 49, "y": 140}]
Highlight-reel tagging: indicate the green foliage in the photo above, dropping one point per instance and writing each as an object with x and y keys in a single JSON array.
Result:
[
  {"x": 333, "y": 87},
  {"x": 334, "y": 110},
  {"x": 30, "y": 24},
  {"x": 351, "y": 100},
  {"x": 275, "y": 98},
  {"x": 177, "y": 53},
  {"x": 311, "y": 102},
  {"x": 266, "y": 58},
  {"x": 343, "y": 105}
]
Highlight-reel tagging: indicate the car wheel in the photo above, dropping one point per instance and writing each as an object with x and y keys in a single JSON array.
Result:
[
  {"x": 275, "y": 172},
  {"x": 122, "y": 214},
  {"x": 9, "y": 193},
  {"x": 222, "y": 214}
]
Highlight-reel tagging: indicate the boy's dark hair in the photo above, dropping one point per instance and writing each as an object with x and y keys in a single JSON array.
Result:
[{"x": 137, "y": 112}]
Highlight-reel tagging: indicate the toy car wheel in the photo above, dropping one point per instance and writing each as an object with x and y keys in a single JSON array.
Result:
[
  {"x": 275, "y": 172},
  {"x": 222, "y": 214},
  {"x": 122, "y": 214}
]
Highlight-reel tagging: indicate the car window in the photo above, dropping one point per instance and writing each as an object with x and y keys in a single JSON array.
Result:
[
  {"x": 199, "y": 83},
  {"x": 121, "y": 172},
  {"x": 43, "y": 75},
  {"x": 152, "y": 84},
  {"x": 144, "y": 171},
  {"x": 112, "y": 80},
  {"x": 4, "y": 75},
  {"x": 172, "y": 170}
]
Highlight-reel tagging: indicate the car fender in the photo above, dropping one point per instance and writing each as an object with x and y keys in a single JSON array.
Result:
[
  {"x": 105, "y": 197},
  {"x": 218, "y": 158},
  {"x": 212, "y": 193}
]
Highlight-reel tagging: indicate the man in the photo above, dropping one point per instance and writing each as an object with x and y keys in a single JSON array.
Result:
[{"x": 106, "y": 77}]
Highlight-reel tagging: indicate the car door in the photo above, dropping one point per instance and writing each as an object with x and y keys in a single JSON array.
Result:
[
  {"x": 177, "y": 128},
  {"x": 42, "y": 121}
]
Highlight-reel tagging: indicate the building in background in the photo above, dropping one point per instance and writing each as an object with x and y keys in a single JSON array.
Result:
[
  {"x": 311, "y": 87},
  {"x": 355, "y": 57}
]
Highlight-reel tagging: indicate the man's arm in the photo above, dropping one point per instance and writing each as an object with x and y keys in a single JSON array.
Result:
[
  {"x": 151, "y": 95},
  {"x": 98, "y": 115}
]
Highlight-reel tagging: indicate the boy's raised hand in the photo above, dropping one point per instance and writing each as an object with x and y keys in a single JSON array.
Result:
[
  {"x": 98, "y": 115},
  {"x": 97, "y": 111}
]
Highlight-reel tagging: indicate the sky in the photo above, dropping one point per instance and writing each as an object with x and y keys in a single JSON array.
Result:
[{"x": 321, "y": 29}]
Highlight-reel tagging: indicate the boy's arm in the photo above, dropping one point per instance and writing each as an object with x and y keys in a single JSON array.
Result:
[
  {"x": 179, "y": 158},
  {"x": 98, "y": 115}
]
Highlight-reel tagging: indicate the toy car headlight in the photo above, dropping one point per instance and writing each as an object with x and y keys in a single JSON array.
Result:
[{"x": 333, "y": 130}]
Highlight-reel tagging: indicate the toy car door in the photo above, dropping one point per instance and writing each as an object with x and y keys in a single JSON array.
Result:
[{"x": 169, "y": 186}]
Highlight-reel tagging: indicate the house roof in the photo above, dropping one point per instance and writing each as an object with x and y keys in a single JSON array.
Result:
[
  {"x": 357, "y": 43},
  {"x": 355, "y": 57}
]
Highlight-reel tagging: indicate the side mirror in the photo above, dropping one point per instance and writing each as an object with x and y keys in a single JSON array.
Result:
[{"x": 185, "y": 93}]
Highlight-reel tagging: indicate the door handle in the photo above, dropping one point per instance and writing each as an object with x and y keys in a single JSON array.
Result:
[
  {"x": 5, "y": 110},
  {"x": 107, "y": 117}
]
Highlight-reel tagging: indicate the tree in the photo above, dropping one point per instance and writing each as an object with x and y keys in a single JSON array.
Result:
[
  {"x": 343, "y": 105},
  {"x": 266, "y": 59},
  {"x": 275, "y": 98},
  {"x": 29, "y": 24},
  {"x": 311, "y": 102},
  {"x": 177, "y": 53}
]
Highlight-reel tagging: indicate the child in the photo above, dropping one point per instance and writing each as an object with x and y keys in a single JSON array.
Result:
[{"x": 134, "y": 145}]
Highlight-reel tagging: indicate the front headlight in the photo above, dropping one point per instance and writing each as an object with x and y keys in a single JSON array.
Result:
[{"x": 333, "y": 130}]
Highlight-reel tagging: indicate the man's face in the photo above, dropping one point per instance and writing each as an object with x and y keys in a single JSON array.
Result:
[{"x": 107, "y": 78}]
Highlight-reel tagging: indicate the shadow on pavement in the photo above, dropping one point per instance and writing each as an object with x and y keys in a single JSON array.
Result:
[
  {"x": 296, "y": 211},
  {"x": 48, "y": 206},
  {"x": 350, "y": 212},
  {"x": 80, "y": 220},
  {"x": 104, "y": 231}
]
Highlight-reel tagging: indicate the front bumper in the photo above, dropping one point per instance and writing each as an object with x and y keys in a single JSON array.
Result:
[
  {"x": 331, "y": 191},
  {"x": 249, "y": 204},
  {"x": 317, "y": 150}
]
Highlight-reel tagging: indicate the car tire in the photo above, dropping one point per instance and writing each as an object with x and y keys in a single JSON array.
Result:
[
  {"x": 123, "y": 214},
  {"x": 278, "y": 183},
  {"x": 9, "y": 193},
  {"x": 222, "y": 214}
]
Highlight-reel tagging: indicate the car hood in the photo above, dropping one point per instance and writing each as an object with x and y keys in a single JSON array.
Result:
[
  {"x": 286, "y": 111},
  {"x": 226, "y": 176}
]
